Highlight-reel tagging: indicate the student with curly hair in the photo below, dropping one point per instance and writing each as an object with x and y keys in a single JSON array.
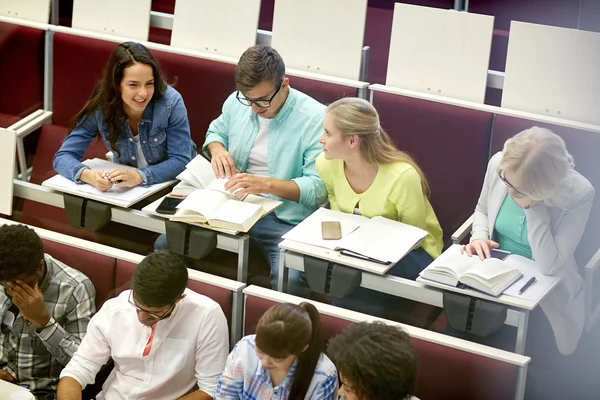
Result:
[{"x": 375, "y": 361}]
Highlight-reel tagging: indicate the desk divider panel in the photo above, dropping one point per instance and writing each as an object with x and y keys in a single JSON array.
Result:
[
  {"x": 553, "y": 71},
  {"x": 321, "y": 36},
  {"x": 31, "y": 10},
  {"x": 225, "y": 27},
  {"x": 125, "y": 18},
  {"x": 441, "y": 52}
]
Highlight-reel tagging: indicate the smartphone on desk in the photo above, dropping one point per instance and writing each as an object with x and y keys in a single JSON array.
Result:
[
  {"x": 169, "y": 205},
  {"x": 499, "y": 254},
  {"x": 331, "y": 230}
]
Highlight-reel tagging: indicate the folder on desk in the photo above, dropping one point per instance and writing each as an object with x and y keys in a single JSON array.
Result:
[{"x": 377, "y": 239}]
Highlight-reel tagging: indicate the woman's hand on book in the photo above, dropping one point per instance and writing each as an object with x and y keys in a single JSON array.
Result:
[
  {"x": 124, "y": 177},
  {"x": 480, "y": 247},
  {"x": 97, "y": 179}
]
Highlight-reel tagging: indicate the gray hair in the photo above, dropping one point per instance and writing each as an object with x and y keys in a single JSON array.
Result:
[{"x": 541, "y": 160}]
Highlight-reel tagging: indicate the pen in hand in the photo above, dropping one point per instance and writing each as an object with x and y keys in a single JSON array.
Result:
[{"x": 527, "y": 285}]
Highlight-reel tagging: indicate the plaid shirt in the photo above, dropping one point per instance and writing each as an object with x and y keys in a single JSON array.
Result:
[
  {"x": 245, "y": 378},
  {"x": 36, "y": 358}
]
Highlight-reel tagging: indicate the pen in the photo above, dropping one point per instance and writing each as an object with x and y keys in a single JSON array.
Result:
[{"x": 527, "y": 285}]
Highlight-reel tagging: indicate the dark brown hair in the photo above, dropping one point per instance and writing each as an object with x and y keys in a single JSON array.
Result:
[
  {"x": 376, "y": 360},
  {"x": 259, "y": 64},
  {"x": 286, "y": 329},
  {"x": 106, "y": 95}
]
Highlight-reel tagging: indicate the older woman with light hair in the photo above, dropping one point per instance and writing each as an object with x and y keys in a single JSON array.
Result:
[{"x": 534, "y": 204}]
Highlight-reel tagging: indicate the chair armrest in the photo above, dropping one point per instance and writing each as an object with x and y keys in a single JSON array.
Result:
[
  {"x": 31, "y": 123},
  {"x": 594, "y": 262},
  {"x": 592, "y": 313},
  {"x": 462, "y": 232}
]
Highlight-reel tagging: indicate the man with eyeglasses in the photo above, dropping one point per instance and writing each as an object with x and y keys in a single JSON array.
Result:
[
  {"x": 266, "y": 141},
  {"x": 167, "y": 342},
  {"x": 45, "y": 308}
]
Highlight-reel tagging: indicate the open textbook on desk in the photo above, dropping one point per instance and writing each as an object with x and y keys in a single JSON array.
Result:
[
  {"x": 491, "y": 276},
  {"x": 211, "y": 207},
  {"x": 377, "y": 239},
  {"x": 199, "y": 174}
]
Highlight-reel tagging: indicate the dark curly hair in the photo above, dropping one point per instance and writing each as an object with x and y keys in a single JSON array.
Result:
[
  {"x": 376, "y": 360},
  {"x": 160, "y": 279},
  {"x": 21, "y": 251}
]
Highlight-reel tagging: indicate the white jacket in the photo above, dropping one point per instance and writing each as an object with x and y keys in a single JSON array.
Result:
[{"x": 554, "y": 233}]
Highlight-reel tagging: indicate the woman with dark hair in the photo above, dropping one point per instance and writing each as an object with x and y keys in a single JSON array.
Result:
[
  {"x": 140, "y": 119},
  {"x": 284, "y": 360}
]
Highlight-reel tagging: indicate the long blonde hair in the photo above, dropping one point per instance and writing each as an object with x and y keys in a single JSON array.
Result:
[{"x": 355, "y": 116}]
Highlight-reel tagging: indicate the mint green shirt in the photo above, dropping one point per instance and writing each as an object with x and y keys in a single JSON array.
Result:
[
  {"x": 511, "y": 229},
  {"x": 292, "y": 147}
]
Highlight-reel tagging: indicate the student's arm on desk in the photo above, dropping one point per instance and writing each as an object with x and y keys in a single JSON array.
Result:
[
  {"x": 552, "y": 249},
  {"x": 68, "y": 389}
]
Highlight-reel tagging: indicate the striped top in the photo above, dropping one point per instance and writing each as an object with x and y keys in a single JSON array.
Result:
[{"x": 245, "y": 378}]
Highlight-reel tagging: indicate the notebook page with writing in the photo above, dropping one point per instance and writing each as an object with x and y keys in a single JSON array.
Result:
[
  {"x": 309, "y": 230},
  {"x": 383, "y": 239}
]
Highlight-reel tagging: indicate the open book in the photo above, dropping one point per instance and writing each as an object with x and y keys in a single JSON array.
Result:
[
  {"x": 491, "y": 276},
  {"x": 214, "y": 208},
  {"x": 377, "y": 239},
  {"x": 199, "y": 174}
]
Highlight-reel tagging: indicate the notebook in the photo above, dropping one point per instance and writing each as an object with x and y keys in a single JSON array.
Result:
[
  {"x": 377, "y": 239},
  {"x": 199, "y": 174},
  {"x": 491, "y": 276},
  {"x": 214, "y": 208}
]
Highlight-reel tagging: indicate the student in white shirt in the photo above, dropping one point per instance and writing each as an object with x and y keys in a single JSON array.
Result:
[
  {"x": 166, "y": 341},
  {"x": 283, "y": 361},
  {"x": 375, "y": 361}
]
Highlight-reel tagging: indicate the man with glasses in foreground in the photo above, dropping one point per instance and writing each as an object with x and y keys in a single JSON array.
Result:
[
  {"x": 166, "y": 341},
  {"x": 265, "y": 142}
]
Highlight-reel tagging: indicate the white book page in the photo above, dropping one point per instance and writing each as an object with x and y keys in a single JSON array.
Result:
[
  {"x": 309, "y": 231},
  {"x": 490, "y": 269},
  {"x": 202, "y": 170},
  {"x": 125, "y": 194},
  {"x": 236, "y": 212},
  {"x": 188, "y": 177},
  {"x": 203, "y": 201},
  {"x": 383, "y": 239}
]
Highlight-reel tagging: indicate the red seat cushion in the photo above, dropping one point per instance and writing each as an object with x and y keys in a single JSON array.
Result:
[
  {"x": 444, "y": 372},
  {"x": 435, "y": 135},
  {"x": 21, "y": 69},
  {"x": 99, "y": 268}
]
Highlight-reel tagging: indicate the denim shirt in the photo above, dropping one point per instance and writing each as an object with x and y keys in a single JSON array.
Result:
[
  {"x": 292, "y": 147},
  {"x": 164, "y": 133}
]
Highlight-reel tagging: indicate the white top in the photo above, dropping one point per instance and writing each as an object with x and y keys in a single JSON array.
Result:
[
  {"x": 189, "y": 348},
  {"x": 257, "y": 160},
  {"x": 139, "y": 154}
]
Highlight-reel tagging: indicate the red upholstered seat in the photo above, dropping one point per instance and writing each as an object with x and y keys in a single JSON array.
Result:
[
  {"x": 222, "y": 296},
  {"x": 99, "y": 268},
  {"x": 7, "y": 120},
  {"x": 21, "y": 69},
  {"x": 444, "y": 372},
  {"x": 436, "y": 134}
]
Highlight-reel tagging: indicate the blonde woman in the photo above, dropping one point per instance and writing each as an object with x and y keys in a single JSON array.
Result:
[
  {"x": 533, "y": 203},
  {"x": 365, "y": 174}
]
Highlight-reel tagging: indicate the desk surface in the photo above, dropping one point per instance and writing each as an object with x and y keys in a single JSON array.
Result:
[
  {"x": 334, "y": 256},
  {"x": 7, "y": 389}
]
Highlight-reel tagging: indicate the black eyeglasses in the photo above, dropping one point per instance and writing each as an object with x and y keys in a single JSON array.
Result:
[
  {"x": 260, "y": 103},
  {"x": 507, "y": 183},
  {"x": 151, "y": 314}
]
